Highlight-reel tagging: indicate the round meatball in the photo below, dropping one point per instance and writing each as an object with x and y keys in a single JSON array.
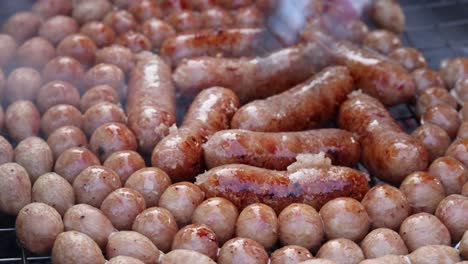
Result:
[
  {"x": 15, "y": 188},
  {"x": 135, "y": 41},
  {"x": 144, "y": 10},
  {"x": 382, "y": 41},
  {"x": 157, "y": 31},
  {"x": 458, "y": 150},
  {"x": 453, "y": 212},
  {"x": 197, "y": 237},
  {"x": 102, "y": 34},
  {"x": 60, "y": 115},
  {"x": 290, "y": 255},
  {"x": 64, "y": 68},
  {"x": 6, "y": 151},
  {"x": 426, "y": 78},
  {"x": 341, "y": 250},
  {"x": 111, "y": 137},
  {"x": 23, "y": 84},
  {"x": 150, "y": 182},
  {"x": 258, "y": 222},
  {"x": 22, "y": 25},
  {"x": 432, "y": 97},
  {"x": 310, "y": 234},
  {"x": 384, "y": 200},
  {"x": 220, "y": 215},
  {"x": 35, "y": 52},
  {"x": 109, "y": 74},
  {"x": 125, "y": 163},
  {"x": 55, "y": 93},
  {"x": 53, "y": 190},
  {"x": 35, "y": 156},
  {"x": 72, "y": 161},
  {"x": 37, "y": 226},
  {"x": 121, "y": 21},
  {"x": 445, "y": 117},
  {"x": 347, "y": 212},
  {"x": 73, "y": 247},
  {"x": 242, "y": 250},
  {"x": 381, "y": 242},
  {"x": 122, "y": 206},
  {"x": 118, "y": 55},
  {"x": 181, "y": 199},
  {"x": 7, "y": 49},
  {"x": 414, "y": 231},
  {"x": 216, "y": 17},
  {"x": 410, "y": 58},
  {"x": 98, "y": 94},
  {"x": 100, "y": 114},
  {"x": 48, "y": 8},
  {"x": 434, "y": 138},
  {"x": 78, "y": 46},
  {"x": 132, "y": 244},
  {"x": 22, "y": 120},
  {"x": 56, "y": 28},
  {"x": 451, "y": 173},
  {"x": 64, "y": 138},
  {"x": 90, "y": 10}
]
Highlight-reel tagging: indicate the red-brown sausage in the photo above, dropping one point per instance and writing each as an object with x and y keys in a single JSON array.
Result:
[
  {"x": 276, "y": 151},
  {"x": 151, "y": 101},
  {"x": 387, "y": 151},
  {"x": 180, "y": 154},
  {"x": 307, "y": 105}
]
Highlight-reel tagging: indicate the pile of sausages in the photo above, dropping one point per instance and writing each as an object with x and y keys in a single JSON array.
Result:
[{"x": 287, "y": 153}]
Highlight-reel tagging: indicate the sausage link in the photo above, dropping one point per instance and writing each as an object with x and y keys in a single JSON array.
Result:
[
  {"x": 180, "y": 153},
  {"x": 151, "y": 101},
  {"x": 276, "y": 151},
  {"x": 387, "y": 151},
  {"x": 308, "y": 105}
]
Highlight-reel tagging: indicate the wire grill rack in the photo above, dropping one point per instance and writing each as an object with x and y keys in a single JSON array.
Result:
[{"x": 439, "y": 28}]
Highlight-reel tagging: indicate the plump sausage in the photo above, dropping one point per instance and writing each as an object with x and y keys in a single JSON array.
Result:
[
  {"x": 22, "y": 120},
  {"x": 23, "y": 84},
  {"x": 90, "y": 10},
  {"x": 78, "y": 46},
  {"x": 387, "y": 152},
  {"x": 251, "y": 78},
  {"x": 77, "y": 248},
  {"x": 64, "y": 68},
  {"x": 435, "y": 139},
  {"x": 242, "y": 250},
  {"x": 102, "y": 113},
  {"x": 382, "y": 41},
  {"x": 102, "y": 34},
  {"x": 6, "y": 151},
  {"x": 244, "y": 185},
  {"x": 454, "y": 69},
  {"x": 180, "y": 154},
  {"x": 104, "y": 73},
  {"x": 410, "y": 58},
  {"x": 432, "y": 97},
  {"x": 445, "y": 117},
  {"x": 258, "y": 222},
  {"x": 111, "y": 137},
  {"x": 135, "y": 41},
  {"x": 387, "y": 259},
  {"x": 157, "y": 31},
  {"x": 249, "y": 16},
  {"x": 185, "y": 20},
  {"x": 35, "y": 156},
  {"x": 276, "y": 151},
  {"x": 121, "y": 21},
  {"x": 197, "y": 237},
  {"x": 48, "y": 8},
  {"x": 460, "y": 91},
  {"x": 426, "y": 78},
  {"x": 28, "y": 22},
  {"x": 450, "y": 172},
  {"x": 53, "y": 190},
  {"x": 316, "y": 101},
  {"x": 150, "y": 182},
  {"x": 55, "y": 93},
  {"x": 15, "y": 188},
  {"x": 35, "y": 52},
  {"x": 125, "y": 163},
  {"x": 464, "y": 246},
  {"x": 60, "y": 115},
  {"x": 341, "y": 250},
  {"x": 151, "y": 102},
  {"x": 118, "y": 55},
  {"x": 290, "y": 255},
  {"x": 132, "y": 244},
  {"x": 122, "y": 207},
  {"x": 72, "y": 161},
  {"x": 57, "y": 28},
  {"x": 453, "y": 212},
  {"x": 434, "y": 254},
  {"x": 7, "y": 49},
  {"x": 98, "y": 94},
  {"x": 381, "y": 242},
  {"x": 388, "y": 14},
  {"x": 216, "y": 17},
  {"x": 185, "y": 256},
  {"x": 145, "y": 9},
  {"x": 125, "y": 260},
  {"x": 458, "y": 150}
]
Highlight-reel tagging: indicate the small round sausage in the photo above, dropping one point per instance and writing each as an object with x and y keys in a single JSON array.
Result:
[
  {"x": 458, "y": 150},
  {"x": 90, "y": 10},
  {"x": 37, "y": 225},
  {"x": 109, "y": 74},
  {"x": 220, "y": 215},
  {"x": 121, "y": 57},
  {"x": 6, "y": 151},
  {"x": 102, "y": 113},
  {"x": 453, "y": 212},
  {"x": 73, "y": 247},
  {"x": 53, "y": 190},
  {"x": 389, "y": 15},
  {"x": 260, "y": 223},
  {"x": 434, "y": 138},
  {"x": 121, "y": 21},
  {"x": 341, "y": 250},
  {"x": 185, "y": 256},
  {"x": 72, "y": 161},
  {"x": 122, "y": 206},
  {"x": 132, "y": 244},
  {"x": 382, "y": 41},
  {"x": 124, "y": 260},
  {"x": 445, "y": 117},
  {"x": 22, "y": 120},
  {"x": 94, "y": 184},
  {"x": 410, "y": 58},
  {"x": 464, "y": 191},
  {"x": 111, "y": 137},
  {"x": 2, "y": 86},
  {"x": 157, "y": 224},
  {"x": 23, "y": 84},
  {"x": 157, "y": 31},
  {"x": 55, "y": 93},
  {"x": 15, "y": 188},
  {"x": 310, "y": 234},
  {"x": 98, "y": 94},
  {"x": 452, "y": 70},
  {"x": 22, "y": 25},
  {"x": 381, "y": 242},
  {"x": 451, "y": 173},
  {"x": 64, "y": 138},
  {"x": 125, "y": 163},
  {"x": 7, "y": 49},
  {"x": 318, "y": 261},
  {"x": 185, "y": 20},
  {"x": 35, "y": 52},
  {"x": 384, "y": 200},
  {"x": 135, "y": 41},
  {"x": 387, "y": 259},
  {"x": 434, "y": 254},
  {"x": 90, "y": 221},
  {"x": 216, "y": 17},
  {"x": 464, "y": 245},
  {"x": 432, "y": 97},
  {"x": 144, "y": 10},
  {"x": 242, "y": 250},
  {"x": 48, "y": 8},
  {"x": 102, "y": 34},
  {"x": 234, "y": 4},
  {"x": 414, "y": 231},
  {"x": 181, "y": 199},
  {"x": 197, "y": 237},
  {"x": 64, "y": 68},
  {"x": 461, "y": 90},
  {"x": 150, "y": 182},
  {"x": 35, "y": 156},
  {"x": 78, "y": 46},
  {"x": 347, "y": 212},
  {"x": 426, "y": 78},
  {"x": 290, "y": 255},
  {"x": 423, "y": 191},
  {"x": 57, "y": 28},
  {"x": 60, "y": 115},
  {"x": 249, "y": 16}
]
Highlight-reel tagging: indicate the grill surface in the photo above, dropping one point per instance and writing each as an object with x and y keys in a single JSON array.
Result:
[{"x": 439, "y": 28}]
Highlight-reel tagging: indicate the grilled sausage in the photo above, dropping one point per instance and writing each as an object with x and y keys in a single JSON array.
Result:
[
  {"x": 120, "y": 56},
  {"x": 242, "y": 250},
  {"x": 197, "y": 237},
  {"x": 57, "y": 28},
  {"x": 77, "y": 248},
  {"x": 341, "y": 250},
  {"x": 290, "y": 255},
  {"x": 388, "y": 14},
  {"x": 450, "y": 172},
  {"x": 150, "y": 182},
  {"x": 102, "y": 34},
  {"x": 381, "y": 242},
  {"x": 55, "y": 93}
]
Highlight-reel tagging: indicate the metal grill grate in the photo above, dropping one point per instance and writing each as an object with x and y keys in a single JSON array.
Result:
[{"x": 438, "y": 28}]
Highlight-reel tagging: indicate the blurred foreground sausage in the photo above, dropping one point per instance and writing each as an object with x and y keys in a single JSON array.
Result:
[
  {"x": 307, "y": 105},
  {"x": 387, "y": 151},
  {"x": 276, "y": 151},
  {"x": 388, "y": 14},
  {"x": 151, "y": 102},
  {"x": 314, "y": 183},
  {"x": 180, "y": 154}
]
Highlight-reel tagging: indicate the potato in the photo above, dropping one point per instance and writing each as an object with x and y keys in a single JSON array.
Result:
[
  {"x": 15, "y": 188},
  {"x": 35, "y": 156},
  {"x": 434, "y": 254},
  {"x": 52, "y": 189},
  {"x": 90, "y": 221},
  {"x": 37, "y": 226},
  {"x": 186, "y": 256},
  {"x": 122, "y": 206},
  {"x": 132, "y": 244},
  {"x": 73, "y": 247}
]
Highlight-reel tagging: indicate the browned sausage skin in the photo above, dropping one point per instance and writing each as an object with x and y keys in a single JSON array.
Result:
[
  {"x": 313, "y": 185},
  {"x": 276, "y": 151},
  {"x": 151, "y": 101},
  {"x": 387, "y": 151},
  {"x": 180, "y": 153}
]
